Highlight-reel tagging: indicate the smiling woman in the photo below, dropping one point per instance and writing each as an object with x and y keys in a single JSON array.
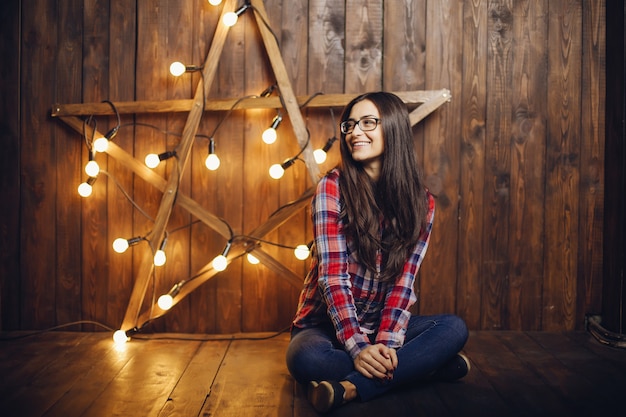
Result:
[{"x": 353, "y": 334}]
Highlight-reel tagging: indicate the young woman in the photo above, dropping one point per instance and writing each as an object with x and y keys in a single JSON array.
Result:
[{"x": 353, "y": 335}]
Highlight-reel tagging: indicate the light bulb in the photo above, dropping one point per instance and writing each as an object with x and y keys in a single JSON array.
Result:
[
  {"x": 212, "y": 162},
  {"x": 253, "y": 260},
  {"x": 92, "y": 168},
  {"x": 177, "y": 69},
  {"x": 165, "y": 302},
  {"x": 160, "y": 258},
  {"x": 85, "y": 189},
  {"x": 276, "y": 171},
  {"x": 119, "y": 337},
  {"x": 269, "y": 135},
  {"x": 101, "y": 144},
  {"x": 215, "y": 2},
  {"x": 230, "y": 19},
  {"x": 120, "y": 245},
  {"x": 320, "y": 156},
  {"x": 301, "y": 252},
  {"x": 220, "y": 263},
  {"x": 152, "y": 160}
]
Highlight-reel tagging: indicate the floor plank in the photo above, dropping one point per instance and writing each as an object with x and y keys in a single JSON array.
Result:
[{"x": 83, "y": 374}]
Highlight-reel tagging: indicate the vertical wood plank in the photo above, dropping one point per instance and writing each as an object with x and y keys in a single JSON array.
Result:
[
  {"x": 326, "y": 46},
  {"x": 95, "y": 215},
  {"x": 37, "y": 165},
  {"x": 528, "y": 133},
  {"x": 589, "y": 298},
  {"x": 151, "y": 84},
  {"x": 261, "y": 192},
  {"x": 497, "y": 179},
  {"x": 227, "y": 192},
  {"x": 563, "y": 166},
  {"x": 68, "y": 205},
  {"x": 404, "y": 37},
  {"x": 180, "y": 46},
  {"x": 404, "y": 42},
  {"x": 9, "y": 166},
  {"x": 121, "y": 88},
  {"x": 472, "y": 187},
  {"x": 364, "y": 43},
  {"x": 294, "y": 47},
  {"x": 441, "y": 156},
  {"x": 224, "y": 195}
]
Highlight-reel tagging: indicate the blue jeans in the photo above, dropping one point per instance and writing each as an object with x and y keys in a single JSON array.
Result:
[{"x": 314, "y": 354}]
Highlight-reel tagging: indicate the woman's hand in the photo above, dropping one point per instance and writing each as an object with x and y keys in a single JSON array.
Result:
[{"x": 377, "y": 361}]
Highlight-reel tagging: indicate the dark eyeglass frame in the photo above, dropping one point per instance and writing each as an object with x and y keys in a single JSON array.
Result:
[{"x": 348, "y": 126}]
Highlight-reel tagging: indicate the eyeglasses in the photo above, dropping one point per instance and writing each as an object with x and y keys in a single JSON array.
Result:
[{"x": 365, "y": 124}]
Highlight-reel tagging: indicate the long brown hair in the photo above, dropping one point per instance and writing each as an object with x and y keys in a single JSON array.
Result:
[{"x": 398, "y": 195}]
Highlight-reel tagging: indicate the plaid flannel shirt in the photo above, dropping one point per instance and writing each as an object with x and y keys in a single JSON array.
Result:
[{"x": 339, "y": 289}]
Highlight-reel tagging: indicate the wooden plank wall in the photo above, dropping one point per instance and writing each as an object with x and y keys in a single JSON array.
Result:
[{"x": 516, "y": 158}]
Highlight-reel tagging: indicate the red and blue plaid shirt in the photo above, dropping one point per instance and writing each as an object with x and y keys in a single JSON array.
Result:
[{"x": 339, "y": 289}]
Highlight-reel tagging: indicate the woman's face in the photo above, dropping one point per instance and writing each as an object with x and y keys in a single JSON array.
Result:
[{"x": 366, "y": 146}]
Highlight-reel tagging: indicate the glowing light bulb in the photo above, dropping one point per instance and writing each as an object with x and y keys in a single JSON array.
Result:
[
  {"x": 220, "y": 263},
  {"x": 269, "y": 135},
  {"x": 165, "y": 302},
  {"x": 101, "y": 144},
  {"x": 119, "y": 337},
  {"x": 230, "y": 19},
  {"x": 276, "y": 171},
  {"x": 301, "y": 252},
  {"x": 85, "y": 189},
  {"x": 160, "y": 258},
  {"x": 212, "y": 162},
  {"x": 177, "y": 69},
  {"x": 152, "y": 160},
  {"x": 92, "y": 168},
  {"x": 215, "y": 2},
  {"x": 320, "y": 156},
  {"x": 253, "y": 260},
  {"x": 120, "y": 245}
]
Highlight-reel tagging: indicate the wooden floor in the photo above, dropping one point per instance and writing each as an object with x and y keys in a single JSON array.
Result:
[{"x": 83, "y": 374}]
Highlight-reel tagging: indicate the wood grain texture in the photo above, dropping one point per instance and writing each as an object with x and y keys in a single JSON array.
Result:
[
  {"x": 516, "y": 157},
  {"x": 498, "y": 176},
  {"x": 9, "y": 161},
  {"x": 38, "y": 186},
  {"x": 527, "y": 158},
  {"x": 472, "y": 163},
  {"x": 513, "y": 374},
  {"x": 591, "y": 247},
  {"x": 563, "y": 167},
  {"x": 364, "y": 45},
  {"x": 441, "y": 158}
]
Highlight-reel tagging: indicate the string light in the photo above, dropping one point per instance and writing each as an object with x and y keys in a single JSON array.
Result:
[
  {"x": 92, "y": 168},
  {"x": 166, "y": 301},
  {"x": 85, "y": 189},
  {"x": 120, "y": 245},
  {"x": 252, "y": 260},
  {"x": 120, "y": 336},
  {"x": 212, "y": 161},
  {"x": 320, "y": 154},
  {"x": 153, "y": 160},
  {"x": 177, "y": 68},
  {"x": 220, "y": 262},
  {"x": 230, "y": 18},
  {"x": 159, "y": 256},
  {"x": 101, "y": 144},
  {"x": 277, "y": 171},
  {"x": 269, "y": 135},
  {"x": 301, "y": 252}
]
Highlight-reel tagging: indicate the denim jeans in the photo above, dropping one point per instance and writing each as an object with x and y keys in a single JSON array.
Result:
[{"x": 314, "y": 354}]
